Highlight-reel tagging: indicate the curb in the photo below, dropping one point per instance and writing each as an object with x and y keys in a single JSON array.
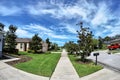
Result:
[{"x": 110, "y": 67}]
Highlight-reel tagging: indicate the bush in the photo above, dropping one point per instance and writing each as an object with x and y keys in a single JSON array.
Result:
[
  {"x": 48, "y": 52},
  {"x": 7, "y": 50},
  {"x": 30, "y": 51}
]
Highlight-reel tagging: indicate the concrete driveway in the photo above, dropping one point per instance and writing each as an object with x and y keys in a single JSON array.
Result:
[{"x": 109, "y": 60}]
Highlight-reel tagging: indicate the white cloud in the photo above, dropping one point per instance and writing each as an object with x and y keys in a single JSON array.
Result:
[
  {"x": 61, "y": 11},
  {"x": 43, "y": 31},
  {"x": 69, "y": 27},
  {"x": 36, "y": 27},
  {"x": 103, "y": 15},
  {"x": 23, "y": 33},
  {"x": 115, "y": 31},
  {"x": 57, "y": 36},
  {"x": 6, "y": 11}
]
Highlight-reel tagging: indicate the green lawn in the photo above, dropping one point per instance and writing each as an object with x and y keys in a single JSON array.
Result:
[
  {"x": 41, "y": 64},
  {"x": 84, "y": 69},
  {"x": 114, "y": 51}
]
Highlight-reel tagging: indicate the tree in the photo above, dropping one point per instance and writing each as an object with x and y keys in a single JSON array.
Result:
[
  {"x": 54, "y": 46},
  {"x": 107, "y": 38},
  {"x": 1, "y": 26},
  {"x": 36, "y": 43},
  {"x": 49, "y": 43},
  {"x": 85, "y": 42},
  {"x": 10, "y": 38},
  {"x": 100, "y": 44},
  {"x": 71, "y": 47},
  {"x": 95, "y": 43}
]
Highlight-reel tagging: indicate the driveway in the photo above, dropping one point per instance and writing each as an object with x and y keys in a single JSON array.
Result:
[{"x": 109, "y": 60}]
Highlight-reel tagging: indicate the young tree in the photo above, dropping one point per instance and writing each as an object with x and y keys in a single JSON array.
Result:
[
  {"x": 100, "y": 44},
  {"x": 54, "y": 46},
  {"x": 36, "y": 43},
  {"x": 71, "y": 47},
  {"x": 10, "y": 38},
  {"x": 48, "y": 42},
  {"x": 95, "y": 43},
  {"x": 85, "y": 42}
]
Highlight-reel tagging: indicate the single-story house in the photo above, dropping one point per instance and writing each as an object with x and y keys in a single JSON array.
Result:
[{"x": 23, "y": 44}]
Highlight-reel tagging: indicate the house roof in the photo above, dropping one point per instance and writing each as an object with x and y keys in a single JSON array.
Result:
[
  {"x": 23, "y": 40},
  {"x": 114, "y": 41}
]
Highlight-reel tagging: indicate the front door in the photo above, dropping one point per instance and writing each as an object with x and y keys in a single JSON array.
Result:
[{"x": 25, "y": 46}]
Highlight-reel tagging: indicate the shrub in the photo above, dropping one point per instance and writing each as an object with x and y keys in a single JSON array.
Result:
[
  {"x": 30, "y": 51},
  {"x": 7, "y": 50}
]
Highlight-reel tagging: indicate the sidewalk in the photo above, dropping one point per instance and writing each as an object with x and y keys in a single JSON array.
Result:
[
  {"x": 64, "y": 69},
  {"x": 104, "y": 74},
  {"x": 10, "y": 73}
]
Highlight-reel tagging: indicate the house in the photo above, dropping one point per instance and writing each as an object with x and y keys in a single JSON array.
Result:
[
  {"x": 44, "y": 46},
  {"x": 115, "y": 41},
  {"x": 23, "y": 44},
  {"x": 1, "y": 38}
]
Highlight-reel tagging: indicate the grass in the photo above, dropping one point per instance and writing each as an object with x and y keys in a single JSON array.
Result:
[
  {"x": 115, "y": 51},
  {"x": 84, "y": 69},
  {"x": 41, "y": 64}
]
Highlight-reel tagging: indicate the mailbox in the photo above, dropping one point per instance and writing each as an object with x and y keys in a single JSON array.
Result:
[{"x": 95, "y": 54}]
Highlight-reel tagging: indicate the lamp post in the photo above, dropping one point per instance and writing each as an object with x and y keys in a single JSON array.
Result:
[{"x": 95, "y": 54}]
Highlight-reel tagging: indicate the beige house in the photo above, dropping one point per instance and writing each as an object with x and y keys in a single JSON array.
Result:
[
  {"x": 23, "y": 44},
  {"x": 44, "y": 47}
]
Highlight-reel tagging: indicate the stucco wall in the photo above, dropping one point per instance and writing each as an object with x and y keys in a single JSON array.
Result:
[{"x": 21, "y": 46}]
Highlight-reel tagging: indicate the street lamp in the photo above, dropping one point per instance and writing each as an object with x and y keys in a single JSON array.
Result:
[{"x": 95, "y": 54}]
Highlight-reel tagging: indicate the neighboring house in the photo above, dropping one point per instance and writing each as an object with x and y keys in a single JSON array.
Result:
[
  {"x": 1, "y": 40},
  {"x": 23, "y": 44},
  {"x": 44, "y": 47},
  {"x": 115, "y": 41}
]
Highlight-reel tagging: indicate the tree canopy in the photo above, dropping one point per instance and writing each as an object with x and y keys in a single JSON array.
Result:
[
  {"x": 85, "y": 41},
  {"x": 36, "y": 43},
  {"x": 10, "y": 37}
]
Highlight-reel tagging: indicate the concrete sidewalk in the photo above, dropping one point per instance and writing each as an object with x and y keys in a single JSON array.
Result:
[
  {"x": 104, "y": 74},
  {"x": 64, "y": 69},
  {"x": 10, "y": 73}
]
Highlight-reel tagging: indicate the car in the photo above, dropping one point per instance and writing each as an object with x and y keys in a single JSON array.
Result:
[{"x": 113, "y": 46}]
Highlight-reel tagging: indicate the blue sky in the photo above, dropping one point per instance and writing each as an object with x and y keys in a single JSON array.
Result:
[{"x": 57, "y": 19}]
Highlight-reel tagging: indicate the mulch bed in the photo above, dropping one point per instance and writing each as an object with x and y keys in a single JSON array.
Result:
[
  {"x": 87, "y": 61},
  {"x": 23, "y": 59}
]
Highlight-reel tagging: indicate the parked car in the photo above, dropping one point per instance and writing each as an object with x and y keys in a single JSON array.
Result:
[{"x": 113, "y": 46}]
